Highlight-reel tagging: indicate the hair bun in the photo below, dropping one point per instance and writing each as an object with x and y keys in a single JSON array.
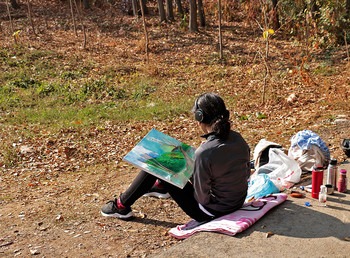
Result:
[{"x": 226, "y": 114}]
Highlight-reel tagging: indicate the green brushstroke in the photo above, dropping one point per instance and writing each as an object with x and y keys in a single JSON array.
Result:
[{"x": 173, "y": 161}]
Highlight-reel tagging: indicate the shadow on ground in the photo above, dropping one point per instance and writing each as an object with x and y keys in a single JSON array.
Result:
[{"x": 298, "y": 220}]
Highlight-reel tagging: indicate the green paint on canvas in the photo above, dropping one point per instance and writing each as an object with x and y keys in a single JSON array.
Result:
[{"x": 173, "y": 161}]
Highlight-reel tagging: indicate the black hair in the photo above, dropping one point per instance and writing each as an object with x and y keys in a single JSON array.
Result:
[{"x": 214, "y": 112}]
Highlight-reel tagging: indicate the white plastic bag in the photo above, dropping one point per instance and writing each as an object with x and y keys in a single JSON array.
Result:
[
  {"x": 308, "y": 158},
  {"x": 283, "y": 171},
  {"x": 260, "y": 147}
]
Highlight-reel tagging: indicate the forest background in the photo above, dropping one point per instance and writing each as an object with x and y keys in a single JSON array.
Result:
[{"x": 82, "y": 82}]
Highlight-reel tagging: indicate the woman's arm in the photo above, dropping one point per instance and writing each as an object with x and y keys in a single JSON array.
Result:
[{"x": 202, "y": 178}]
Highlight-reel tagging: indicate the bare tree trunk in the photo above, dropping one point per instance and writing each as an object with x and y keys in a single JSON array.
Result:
[
  {"x": 14, "y": 4},
  {"x": 220, "y": 33},
  {"x": 134, "y": 8},
  {"x": 314, "y": 9},
  {"x": 30, "y": 16},
  {"x": 193, "y": 16},
  {"x": 72, "y": 12},
  {"x": 80, "y": 17},
  {"x": 347, "y": 7},
  {"x": 86, "y": 4},
  {"x": 161, "y": 10},
  {"x": 144, "y": 6},
  {"x": 169, "y": 10},
  {"x": 274, "y": 15},
  {"x": 267, "y": 47},
  {"x": 346, "y": 47},
  {"x": 46, "y": 22},
  {"x": 10, "y": 18},
  {"x": 201, "y": 13},
  {"x": 145, "y": 29},
  {"x": 179, "y": 8},
  {"x": 307, "y": 15}
]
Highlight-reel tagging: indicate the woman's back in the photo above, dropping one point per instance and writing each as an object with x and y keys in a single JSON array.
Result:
[{"x": 221, "y": 172}]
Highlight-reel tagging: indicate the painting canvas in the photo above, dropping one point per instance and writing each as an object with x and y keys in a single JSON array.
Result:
[{"x": 164, "y": 157}]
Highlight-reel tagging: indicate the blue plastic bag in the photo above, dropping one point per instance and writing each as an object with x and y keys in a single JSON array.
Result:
[{"x": 260, "y": 186}]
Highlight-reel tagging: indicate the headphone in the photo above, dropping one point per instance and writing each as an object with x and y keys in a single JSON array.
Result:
[{"x": 198, "y": 114}]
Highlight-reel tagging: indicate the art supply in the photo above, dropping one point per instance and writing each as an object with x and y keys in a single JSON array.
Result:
[
  {"x": 306, "y": 188},
  {"x": 164, "y": 157},
  {"x": 323, "y": 195},
  {"x": 297, "y": 195},
  {"x": 331, "y": 176},
  {"x": 342, "y": 186},
  {"x": 317, "y": 180}
]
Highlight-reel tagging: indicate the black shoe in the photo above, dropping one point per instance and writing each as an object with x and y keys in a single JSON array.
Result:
[
  {"x": 159, "y": 192},
  {"x": 110, "y": 209}
]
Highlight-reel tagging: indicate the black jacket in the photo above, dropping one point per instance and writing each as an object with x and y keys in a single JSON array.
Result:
[{"x": 221, "y": 171}]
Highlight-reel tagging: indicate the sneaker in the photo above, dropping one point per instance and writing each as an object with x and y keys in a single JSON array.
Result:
[
  {"x": 111, "y": 209},
  {"x": 158, "y": 192}
]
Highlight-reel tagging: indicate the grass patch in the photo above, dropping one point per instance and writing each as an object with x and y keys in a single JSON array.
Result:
[
  {"x": 41, "y": 87},
  {"x": 326, "y": 70},
  {"x": 61, "y": 116},
  {"x": 8, "y": 155}
]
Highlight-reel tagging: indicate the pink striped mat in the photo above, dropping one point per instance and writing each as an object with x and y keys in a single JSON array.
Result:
[{"x": 233, "y": 223}]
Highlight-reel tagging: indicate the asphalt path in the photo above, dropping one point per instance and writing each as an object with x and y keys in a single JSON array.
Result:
[{"x": 298, "y": 231}]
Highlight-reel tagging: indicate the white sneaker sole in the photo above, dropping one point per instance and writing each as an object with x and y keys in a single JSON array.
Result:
[
  {"x": 157, "y": 195},
  {"x": 119, "y": 216}
]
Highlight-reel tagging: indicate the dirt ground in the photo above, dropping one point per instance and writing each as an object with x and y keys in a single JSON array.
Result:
[
  {"x": 50, "y": 201},
  {"x": 58, "y": 214}
]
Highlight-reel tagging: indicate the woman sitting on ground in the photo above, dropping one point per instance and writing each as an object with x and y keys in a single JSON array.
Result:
[{"x": 221, "y": 170}]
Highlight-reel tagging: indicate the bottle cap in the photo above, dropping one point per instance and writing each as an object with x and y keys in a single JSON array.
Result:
[
  {"x": 318, "y": 168},
  {"x": 333, "y": 162},
  {"x": 343, "y": 171},
  {"x": 307, "y": 204}
]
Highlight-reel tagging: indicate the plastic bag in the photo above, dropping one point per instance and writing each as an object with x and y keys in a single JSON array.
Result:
[
  {"x": 260, "y": 150},
  {"x": 308, "y": 158},
  {"x": 346, "y": 147},
  {"x": 308, "y": 149},
  {"x": 260, "y": 186},
  {"x": 283, "y": 171}
]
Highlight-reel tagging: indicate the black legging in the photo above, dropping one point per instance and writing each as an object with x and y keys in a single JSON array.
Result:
[{"x": 183, "y": 197}]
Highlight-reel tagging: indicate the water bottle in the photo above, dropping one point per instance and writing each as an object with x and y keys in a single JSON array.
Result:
[
  {"x": 317, "y": 180},
  {"x": 323, "y": 195},
  {"x": 331, "y": 176},
  {"x": 342, "y": 181}
]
